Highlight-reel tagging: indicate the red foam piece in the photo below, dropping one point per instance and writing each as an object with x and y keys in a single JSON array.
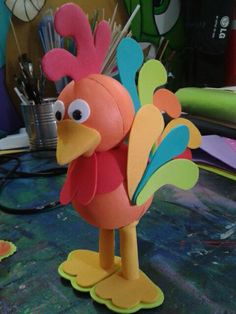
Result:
[
  {"x": 99, "y": 174},
  {"x": 81, "y": 181},
  {"x": 111, "y": 169},
  {"x": 187, "y": 154}
]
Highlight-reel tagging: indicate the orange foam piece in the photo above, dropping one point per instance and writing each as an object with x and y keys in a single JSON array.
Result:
[
  {"x": 112, "y": 210},
  {"x": 194, "y": 134},
  {"x": 114, "y": 110},
  {"x": 167, "y": 101},
  {"x": 146, "y": 128},
  {"x": 5, "y": 248},
  {"x": 111, "y": 108}
]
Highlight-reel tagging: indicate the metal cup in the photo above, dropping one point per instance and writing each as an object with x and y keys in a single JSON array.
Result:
[{"x": 40, "y": 124}]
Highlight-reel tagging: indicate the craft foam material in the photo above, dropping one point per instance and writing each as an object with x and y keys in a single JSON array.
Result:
[
  {"x": 59, "y": 62},
  {"x": 166, "y": 101},
  {"x": 107, "y": 165},
  {"x": 81, "y": 181},
  {"x": 128, "y": 66},
  {"x": 151, "y": 76},
  {"x": 194, "y": 134},
  {"x": 111, "y": 108},
  {"x": 141, "y": 291},
  {"x": 172, "y": 145},
  {"x": 83, "y": 268},
  {"x": 180, "y": 173},
  {"x": 83, "y": 176},
  {"x": 216, "y": 104},
  {"x": 147, "y": 127},
  {"x": 221, "y": 172},
  {"x": 69, "y": 133}
]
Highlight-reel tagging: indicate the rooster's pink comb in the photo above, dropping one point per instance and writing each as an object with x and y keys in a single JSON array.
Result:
[{"x": 71, "y": 21}]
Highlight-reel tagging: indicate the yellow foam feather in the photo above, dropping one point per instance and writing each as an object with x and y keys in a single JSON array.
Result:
[{"x": 146, "y": 128}]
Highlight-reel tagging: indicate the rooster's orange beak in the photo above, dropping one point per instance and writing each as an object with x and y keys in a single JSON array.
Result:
[{"x": 75, "y": 140}]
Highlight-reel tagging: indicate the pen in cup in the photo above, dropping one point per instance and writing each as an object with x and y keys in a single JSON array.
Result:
[{"x": 22, "y": 97}]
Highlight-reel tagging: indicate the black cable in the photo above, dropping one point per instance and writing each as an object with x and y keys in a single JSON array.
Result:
[
  {"x": 29, "y": 211},
  {"x": 41, "y": 173},
  {"x": 10, "y": 172}
]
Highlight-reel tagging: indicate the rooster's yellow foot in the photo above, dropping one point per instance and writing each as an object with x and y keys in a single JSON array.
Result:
[
  {"x": 127, "y": 296},
  {"x": 83, "y": 269}
]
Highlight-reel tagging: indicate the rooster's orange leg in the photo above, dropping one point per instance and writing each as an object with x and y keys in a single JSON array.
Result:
[
  {"x": 129, "y": 252},
  {"x": 106, "y": 248},
  {"x": 86, "y": 268},
  {"x": 129, "y": 288}
]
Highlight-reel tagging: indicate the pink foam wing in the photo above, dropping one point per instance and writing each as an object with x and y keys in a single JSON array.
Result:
[{"x": 81, "y": 181}]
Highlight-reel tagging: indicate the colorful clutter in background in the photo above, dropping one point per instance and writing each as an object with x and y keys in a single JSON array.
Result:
[
  {"x": 25, "y": 10},
  {"x": 206, "y": 38},
  {"x": 157, "y": 20},
  {"x": 119, "y": 153},
  {"x": 4, "y": 24},
  {"x": 217, "y": 154},
  {"x": 158, "y": 27},
  {"x": 6, "y": 249},
  {"x": 212, "y": 103},
  {"x": 213, "y": 111},
  {"x": 9, "y": 120}
]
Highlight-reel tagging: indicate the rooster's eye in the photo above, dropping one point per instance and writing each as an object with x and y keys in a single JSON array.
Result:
[
  {"x": 79, "y": 110},
  {"x": 59, "y": 110}
]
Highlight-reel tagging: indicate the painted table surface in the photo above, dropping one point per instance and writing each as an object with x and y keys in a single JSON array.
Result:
[{"x": 187, "y": 245}]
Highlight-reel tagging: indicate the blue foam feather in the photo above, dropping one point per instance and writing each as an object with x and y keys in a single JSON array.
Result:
[
  {"x": 171, "y": 146},
  {"x": 129, "y": 60}
]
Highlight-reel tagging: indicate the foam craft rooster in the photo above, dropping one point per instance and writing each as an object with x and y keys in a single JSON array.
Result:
[{"x": 109, "y": 182}]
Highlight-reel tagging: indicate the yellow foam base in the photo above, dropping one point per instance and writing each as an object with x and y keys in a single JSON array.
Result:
[
  {"x": 127, "y": 296},
  {"x": 82, "y": 268},
  {"x": 109, "y": 287},
  {"x": 134, "y": 309}
]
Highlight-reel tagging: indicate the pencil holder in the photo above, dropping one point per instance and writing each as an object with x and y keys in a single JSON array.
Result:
[{"x": 40, "y": 124}]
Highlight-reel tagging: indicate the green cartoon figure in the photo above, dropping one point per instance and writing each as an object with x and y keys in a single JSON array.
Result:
[{"x": 159, "y": 23}]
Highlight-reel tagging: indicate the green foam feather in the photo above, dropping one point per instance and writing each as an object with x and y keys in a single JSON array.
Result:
[{"x": 182, "y": 173}]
